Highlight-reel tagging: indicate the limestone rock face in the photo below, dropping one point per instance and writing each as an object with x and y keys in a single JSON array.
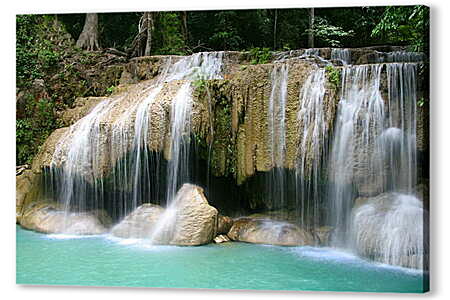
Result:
[
  {"x": 82, "y": 106},
  {"x": 189, "y": 220},
  {"x": 224, "y": 224},
  {"x": 261, "y": 231},
  {"x": 51, "y": 218},
  {"x": 140, "y": 223},
  {"x": 196, "y": 220}
]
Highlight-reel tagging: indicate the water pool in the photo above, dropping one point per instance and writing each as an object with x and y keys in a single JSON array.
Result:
[{"x": 106, "y": 261}]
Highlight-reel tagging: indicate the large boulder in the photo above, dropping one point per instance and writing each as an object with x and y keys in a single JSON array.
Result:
[
  {"x": 188, "y": 221},
  {"x": 140, "y": 223},
  {"x": 28, "y": 190},
  {"x": 263, "y": 231},
  {"x": 23, "y": 186},
  {"x": 390, "y": 228},
  {"x": 51, "y": 218},
  {"x": 196, "y": 220},
  {"x": 281, "y": 215}
]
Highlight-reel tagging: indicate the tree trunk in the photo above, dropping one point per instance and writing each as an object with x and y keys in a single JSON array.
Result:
[
  {"x": 148, "y": 16},
  {"x": 142, "y": 43},
  {"x": 275, "y": 30},
  {"x": 311, "y": 28},
  {"x": 184, "y": 27},
  {"x": 89, "y": 36}
]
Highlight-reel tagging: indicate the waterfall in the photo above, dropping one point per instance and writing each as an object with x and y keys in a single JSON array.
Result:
[
  {"x": 178, "y": 167},
  {"x": 342, "y": 55},
  {"x": 359, "y": 121},
  {"x": 374, "y": 158},
  {"x": 311, "y": 52},
  {"x": 399, "y": 56},
  {"x": 313, "y": 133},
  {"x": 117, "y": 133},
  {"x": 83, "y": 147},
  {"x": 402, "y": 87},
  {"x": 277, "y": 134}
]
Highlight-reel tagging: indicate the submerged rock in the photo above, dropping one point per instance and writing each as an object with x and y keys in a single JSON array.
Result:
[
  {"x": 51, "y": 218},
  {"x": 261, "y": 231},
  {"x": 222, "y": 238},
  {"x": 390, "y": 228},
  {"x": 188, "y": 221}
]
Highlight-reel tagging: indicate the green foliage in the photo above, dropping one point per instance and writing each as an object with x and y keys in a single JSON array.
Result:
[
  {"x": 200, "y": 85},
  {"x": 260, "y": 55},
  {"x": 36, "y": 57},
  {"x": 404, "y": 24},
  {"x": 32, "y": 130},
  {"x": 421, "y": 102},
  {"x": 334, "y": 75},
  {"x": 35, "y": 53},
  {"x": 328, "y": 34},
  {"x": 110, "y": 90},
  {"x": 168, "y": 34},
  {"x": 226, "y": 35}
]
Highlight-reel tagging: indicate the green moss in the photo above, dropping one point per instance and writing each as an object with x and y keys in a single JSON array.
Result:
[
  {"x": 260, "y": 55},
  {"x": 219, "y": 146},
  {"x": 334, "y": 75}
]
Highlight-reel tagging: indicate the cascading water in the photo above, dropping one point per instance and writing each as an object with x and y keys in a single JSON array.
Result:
[
  {"x": 83, "y": 147},
  {"x": 178, "y": 166},
  {"x": 394, "y": 236},
  {"x": 313, "y": 132},
  {"x": 374, "y": 153},
  {"x": 399, "y": 56},
  {"x": 78, "y": 168},
  {"x": 402, "y": 115},
  {"x": 359, "y": 121},
  {"x": 277, "y": 134},
  {"x": 342, "y": 55}
]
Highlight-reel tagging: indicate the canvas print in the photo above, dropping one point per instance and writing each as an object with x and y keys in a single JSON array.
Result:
[{"x": 260, "y": 149}]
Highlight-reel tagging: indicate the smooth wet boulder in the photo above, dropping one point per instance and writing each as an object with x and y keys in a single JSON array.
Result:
[
  {"x": 51, "y": 218},
  {"x": 140, "y": 223},
  {"x": 24, "y": 184},
  {"x": 196, "y": 220},
  {"x": 188, "y": 221},
  {"x": 261, "y": 231},
  {"x": 281, "y": 215},
  {"x": 224, "y": 224}
]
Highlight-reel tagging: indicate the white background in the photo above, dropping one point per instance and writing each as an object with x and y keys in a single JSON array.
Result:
[{"x": 440, "y": 132}]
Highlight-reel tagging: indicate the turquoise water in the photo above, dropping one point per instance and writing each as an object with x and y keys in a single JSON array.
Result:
[{"x": 106, "y": 261}]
